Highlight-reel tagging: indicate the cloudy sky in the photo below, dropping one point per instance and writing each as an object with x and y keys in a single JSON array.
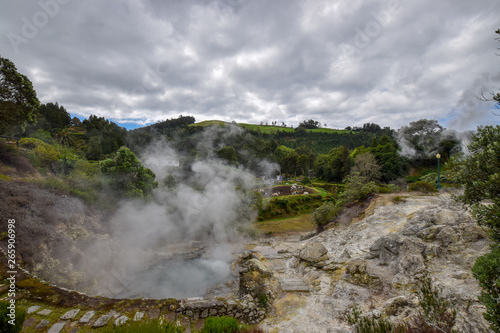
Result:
[{"x": 339, "y": 62}]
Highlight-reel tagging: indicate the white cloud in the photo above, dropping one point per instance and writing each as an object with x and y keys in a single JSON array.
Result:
[{"x": 260, "y": 60}]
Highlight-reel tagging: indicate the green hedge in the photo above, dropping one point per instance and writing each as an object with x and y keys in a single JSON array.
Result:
[{"x": 291, "y": 206}]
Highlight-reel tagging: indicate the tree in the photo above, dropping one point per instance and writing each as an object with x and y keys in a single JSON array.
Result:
[
  {"x": 127, "y": 175},
  {"x": 480, "y": 175},
  {"x": 371, "y": 127},
  {"x": 56, "y": 116},
  {"x": 18, "y": 100},
  {"x": 339, "y": 163},
  {"x": 310, "y": 124},
  {"x": 366, "y": 165},
  {"x": 229, "y": 154},
  {"x": 421, "y": 137},
  {"x": 65, "y": 137}
]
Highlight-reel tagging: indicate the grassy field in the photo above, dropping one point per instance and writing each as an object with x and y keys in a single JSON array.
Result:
[
  {"x": 210, "y": 123},
  {"x": 301, "y": 223},
  {"x": 327, "y": 130},
  {"x": 266, "y": 129}
]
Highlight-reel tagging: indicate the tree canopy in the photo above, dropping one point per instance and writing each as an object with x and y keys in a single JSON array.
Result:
[
  {"x": 127, "y": 176},
  {"x": 310, "y": 124},
  {"x": 18, "y": 99},
  {"x": 480, "y": 174}
]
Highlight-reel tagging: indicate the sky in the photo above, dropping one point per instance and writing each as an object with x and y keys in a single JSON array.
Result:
[{"x": 342, "y": 63}]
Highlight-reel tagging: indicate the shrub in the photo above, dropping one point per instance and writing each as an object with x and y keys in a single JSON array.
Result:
[
  {"x": 357, "y": 188},
  {"x": 306, "y": 181},
  {"x": 369, "y": 324},
  {"x": 398, "y": 199},
  {"x": 30, "y": 143},
  {"x": 436, "y": 310},
  {"x": 389, "y": 188},
  {"x": 436, "y": 315},
  {"x": 220, "y": 325},
  {"x": 324, "y": 214},
  {"x": 422, "y": 186},
  {"x": 7, "y": 327}
]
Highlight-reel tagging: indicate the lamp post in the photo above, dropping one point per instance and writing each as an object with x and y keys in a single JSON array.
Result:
[{"x": 439, "y": 177}]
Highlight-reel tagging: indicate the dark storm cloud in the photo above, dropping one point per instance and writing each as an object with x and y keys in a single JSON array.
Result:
[{"x": 339, "y": 62}]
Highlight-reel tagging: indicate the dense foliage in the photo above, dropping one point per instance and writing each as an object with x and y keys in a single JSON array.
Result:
[
  {"x": 18, "y": 100},
  {"x": 6, "y": 321},
  {"x": 127, "y": 177},
  {"x": 480, "y": 173}
]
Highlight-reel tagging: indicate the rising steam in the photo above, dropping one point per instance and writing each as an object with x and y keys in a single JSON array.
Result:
[{"x": 145, "y": 253}]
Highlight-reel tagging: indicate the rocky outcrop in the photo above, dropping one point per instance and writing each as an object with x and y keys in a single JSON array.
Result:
[
  {"x": 314, "y": 253},
  {"x": 377, "y": 262}
]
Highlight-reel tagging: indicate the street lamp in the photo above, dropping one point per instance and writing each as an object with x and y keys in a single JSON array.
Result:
[{"x": 439, "y": 177}]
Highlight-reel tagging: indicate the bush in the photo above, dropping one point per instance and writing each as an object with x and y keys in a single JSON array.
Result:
[
  {"x": 357, "y": 188},
  {"x": 368, "y": 324},
  {"x": 412, "y": 179},
  {"x": 422, "y": 186},
  {"x": 5, "y": 326},
  {"x": 220, "y": 325},
  {"x": 436, "y": 315},
  {"x": 324, "y": 214},
  {"x": 306, "y": 181},
  {"x": 30, "y": 143},
  {"x": 398, "y": 199},
  {"x": 389, "y": 188}
]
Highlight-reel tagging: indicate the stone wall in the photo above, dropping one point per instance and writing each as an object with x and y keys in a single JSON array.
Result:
[{"x": 242, "y": 309}]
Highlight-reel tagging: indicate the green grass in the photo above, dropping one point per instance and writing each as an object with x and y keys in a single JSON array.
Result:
[
  {"x": 327, "y": 130},
  {"x": 301, "y": 223},
  {"x": 152, "y": 326},
  {"x": 266, "y": 129},
  {"x": 289, "y": 206},
  {"x": 210, "y": 123},
  {"x": 5, "y": 177}
]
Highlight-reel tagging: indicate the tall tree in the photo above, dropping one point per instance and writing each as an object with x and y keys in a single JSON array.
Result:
[
  {"x": 56, "y": 115},
  {"x": 366, "y": 166},
  {"x": 18, "y": 100},
  {"x": 480, "y": 174}
]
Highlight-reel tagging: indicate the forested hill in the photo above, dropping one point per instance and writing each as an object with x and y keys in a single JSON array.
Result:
[
  {"x": 307, "y": 150},
  {"x": 318, "y": 140}
]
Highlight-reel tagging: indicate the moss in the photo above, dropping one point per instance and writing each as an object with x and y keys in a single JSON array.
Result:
[
  {"x": 36, "y": 288},
  {"x": 5, "y": 177}
]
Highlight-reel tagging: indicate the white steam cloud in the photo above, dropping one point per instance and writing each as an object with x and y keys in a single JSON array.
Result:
[{"x": 147, "y": 251}]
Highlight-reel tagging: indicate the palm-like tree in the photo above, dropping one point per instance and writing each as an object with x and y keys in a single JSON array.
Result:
[{"x": 64, "y": 137}]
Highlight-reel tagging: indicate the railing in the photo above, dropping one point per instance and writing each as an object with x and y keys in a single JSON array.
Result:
[{"x": 11, "y": 137}]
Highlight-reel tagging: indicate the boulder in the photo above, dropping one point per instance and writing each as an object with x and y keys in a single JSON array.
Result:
[
  {"x": 259, "y": 266},
  {"x": 385, "y": 248},
  {"x": 313, "y": 253}
]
